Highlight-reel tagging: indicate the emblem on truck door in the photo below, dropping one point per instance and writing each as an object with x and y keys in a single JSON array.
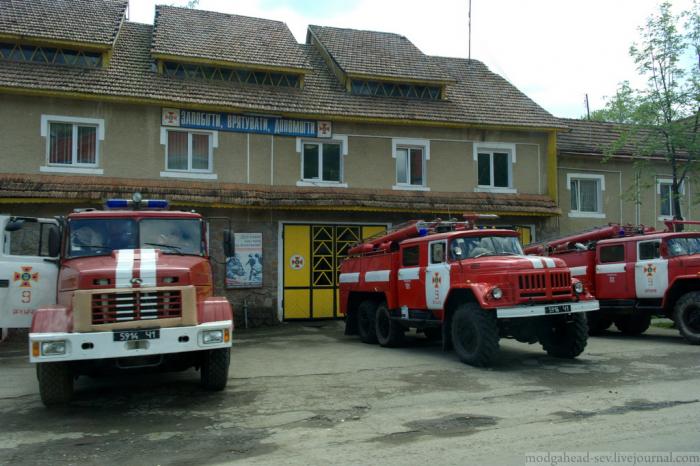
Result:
[
  {"x": 649, "y": 271},
  {"x": 26, "y": 277}
]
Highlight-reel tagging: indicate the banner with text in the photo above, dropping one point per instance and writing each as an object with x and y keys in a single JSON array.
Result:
[{"x": 239, "y": 123}]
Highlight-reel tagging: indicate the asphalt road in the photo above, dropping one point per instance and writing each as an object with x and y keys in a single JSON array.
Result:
[{"x": 306, "y": 394}]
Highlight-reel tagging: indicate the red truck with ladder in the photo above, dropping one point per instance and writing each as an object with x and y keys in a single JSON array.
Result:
[
  {"x": 636, "y": 272},
  {"x": 467, "y": 286},
  {"x": 134, "y": 292}
]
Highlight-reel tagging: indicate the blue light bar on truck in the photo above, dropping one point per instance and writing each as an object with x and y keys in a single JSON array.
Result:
[{"x": 155, "y": 204}]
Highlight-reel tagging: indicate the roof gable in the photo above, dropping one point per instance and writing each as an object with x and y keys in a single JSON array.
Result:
[
  {"x": 376, "y": 55},
  {"x": 219, "y": 37},
  {"x": 477, "y": 97},
  {"x": 79, "y": 22}
]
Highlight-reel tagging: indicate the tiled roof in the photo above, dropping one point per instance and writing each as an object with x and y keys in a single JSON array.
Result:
[
  {"x": 478, "y": 97},
  {"x": 377, "y": 54},
  {"x": 87, "y": 21},
  {"x": 597, "y": 137},
  {"x": 232, "y": 38},
  {"x": 95, "y": 189}
]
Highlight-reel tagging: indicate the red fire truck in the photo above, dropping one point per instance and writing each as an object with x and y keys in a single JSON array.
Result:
[
  {"x": 466, "y": 286},
  {"x": 134, "y": 292},
  {"x": 636, "y": 273}
]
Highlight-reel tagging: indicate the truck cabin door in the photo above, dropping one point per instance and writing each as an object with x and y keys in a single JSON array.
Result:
[
  {"x": 611, "y": 272},
  {"x": 27, "y": 279},
  {"x": 437, "y": 275},
  {"x": 411, "y": 282},
  {"x": 650, "y": 270}
]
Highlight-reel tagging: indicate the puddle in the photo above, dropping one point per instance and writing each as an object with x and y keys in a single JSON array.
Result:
[
  {"x": 630, "y": 406},
  {"x": 454, "y": 425}
]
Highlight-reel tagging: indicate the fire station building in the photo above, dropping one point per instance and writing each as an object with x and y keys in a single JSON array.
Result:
[{"x": 314, "y": 146}]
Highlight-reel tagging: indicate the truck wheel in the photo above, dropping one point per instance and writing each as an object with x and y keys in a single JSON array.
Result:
[
  {"x": 562, "y": 339},
  {"x": 633, "y": 324},
  {"x": 475, "y": 335},
  {"x": 389, "y": 333},
  {"x": 214, "y": 370},
  {"x": 366, "y": 315},
  {"x": 686, "y": 314},
  {"x": 55, "y": 382},
  {"x": 598, "y": 322}
]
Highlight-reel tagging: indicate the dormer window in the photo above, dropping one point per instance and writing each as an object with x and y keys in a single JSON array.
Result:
[
  {"x": 49, "y": 55},
  {"x": 387, "y": 89},
  {"x": 238, "y": 76}
]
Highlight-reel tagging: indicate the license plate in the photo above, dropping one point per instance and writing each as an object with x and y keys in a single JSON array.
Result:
[
  {"x": 131, "y": 335},
  {"x": 558, "y": 309}
]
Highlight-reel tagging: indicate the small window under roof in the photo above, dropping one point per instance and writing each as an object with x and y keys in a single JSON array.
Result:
[
  {"x": 234, "y": 75},
  {"x": 49, "y": 55}
]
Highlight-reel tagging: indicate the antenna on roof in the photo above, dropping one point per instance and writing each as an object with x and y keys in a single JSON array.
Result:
[
  {"x": 588, "y": 108},
  {"x": 470, "y": 30}
]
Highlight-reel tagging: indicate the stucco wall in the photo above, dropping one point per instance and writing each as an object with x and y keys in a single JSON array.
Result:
[
  {"x": 133, "y": 140},
  {"x": 621, "y": 203}
]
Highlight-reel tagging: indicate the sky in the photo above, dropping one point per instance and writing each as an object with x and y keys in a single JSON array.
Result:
[{"x": 555, "y": 51}]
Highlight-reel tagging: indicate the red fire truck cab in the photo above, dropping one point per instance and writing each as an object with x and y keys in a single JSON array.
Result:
[
  {"x": 468, "y": 287},
  {"x": 134, "y": 292},
  {"x": 636, "y": 273}
]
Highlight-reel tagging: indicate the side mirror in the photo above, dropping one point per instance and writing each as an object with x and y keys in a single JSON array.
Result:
[
  {"x": 54, "y": 242},
  {"x": 457, "y": 251},
  {"x": 14, "y": 225},
  {"x": 229, "y": 243}
]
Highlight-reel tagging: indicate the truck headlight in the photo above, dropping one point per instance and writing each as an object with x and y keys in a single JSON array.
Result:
[
  {"x": 212, "y": 337},
  {"x": 53, "y": 348},
  {"x": 578, "y": 288},
  {"x": 497, "y": 293}
]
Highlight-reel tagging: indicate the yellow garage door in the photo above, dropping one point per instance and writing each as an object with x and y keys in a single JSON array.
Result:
[{"x": 312, "y": 256}]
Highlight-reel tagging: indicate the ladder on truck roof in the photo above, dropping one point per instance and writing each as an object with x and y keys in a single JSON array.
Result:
[{"x": 390, "y": 238}]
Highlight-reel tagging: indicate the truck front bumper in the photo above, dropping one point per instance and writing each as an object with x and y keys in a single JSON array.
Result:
[
  {"x": 102, "y": 345},
  {"x": 547, "y": 309}
]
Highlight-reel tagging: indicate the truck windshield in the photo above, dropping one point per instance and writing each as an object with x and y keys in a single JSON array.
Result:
[
  {"x": 101, "y": 236},
  {"x": 477, "y": 246},
  {"x": 683, "y": 246}
]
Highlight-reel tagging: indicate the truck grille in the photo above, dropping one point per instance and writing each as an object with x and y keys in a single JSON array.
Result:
[
  {"x": 533, "y": 285},
  {"x": 108, "y": 308}
]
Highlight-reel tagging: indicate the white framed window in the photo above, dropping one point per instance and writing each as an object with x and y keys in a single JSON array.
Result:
[
  {"x": 664, "y": 190},
  {"x": 411, "y": 157},
  {"x": 586, "y": 193},
  {"x": 494, "y": 167},
  {"x": 72, "y": 144},
  {"x": 322, "y": 161},
  {"x": 189, "y": 153}
]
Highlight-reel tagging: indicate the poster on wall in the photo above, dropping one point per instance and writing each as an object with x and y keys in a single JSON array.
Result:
[{"x": 245, "y": 268}]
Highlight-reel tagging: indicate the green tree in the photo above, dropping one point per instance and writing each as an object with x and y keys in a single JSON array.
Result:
[{"x": 661, "y": 118}]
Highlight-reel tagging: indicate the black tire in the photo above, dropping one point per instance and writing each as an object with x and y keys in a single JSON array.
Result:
[
  {"x": 433, "y": 333},
  {"x": 214, "y": 370},
  {"x": 366, "y": 314},
  {"x": 55, "y": 383},
  {"x": 475, "y": 335},
  {"x": 633, "y": 324},
  {"x": 598, "y": 322},
  {"x": 686, "y": 315},
  {"x": 564, "y": 336},
  {"x": 389, "y": 333}
]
